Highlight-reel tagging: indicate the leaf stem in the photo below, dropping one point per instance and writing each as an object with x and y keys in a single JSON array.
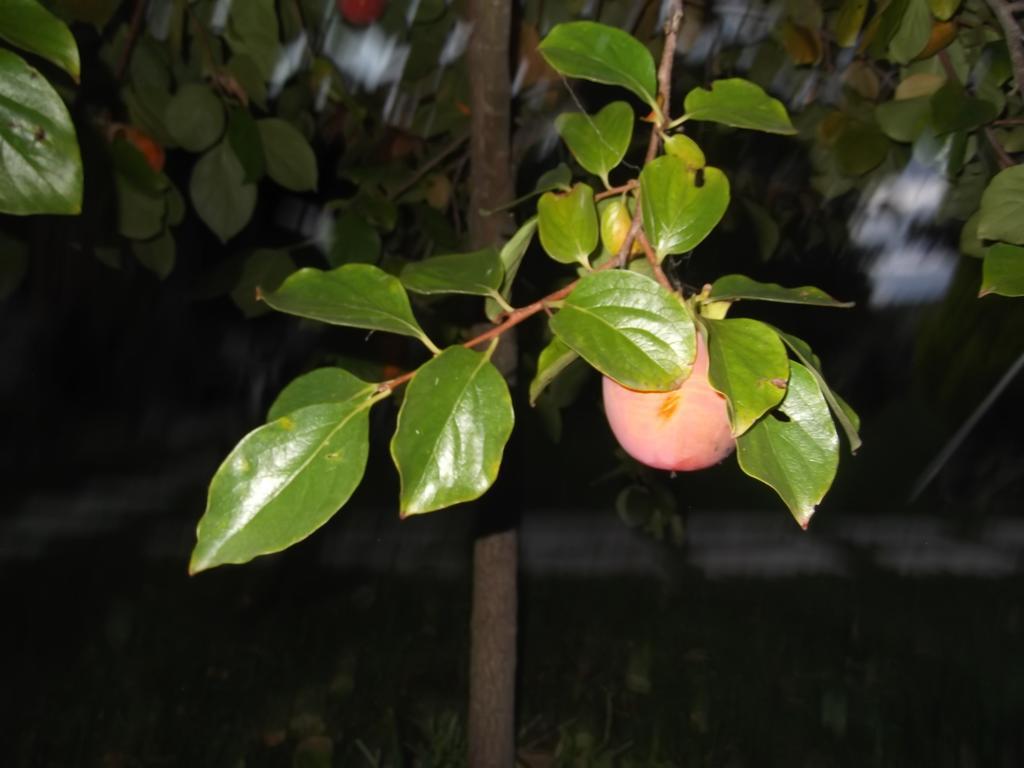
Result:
[
  {"x": 1002, "y": 156},
  {"x": 652, "y": 259},
  {"x": 134, "y": 29}
]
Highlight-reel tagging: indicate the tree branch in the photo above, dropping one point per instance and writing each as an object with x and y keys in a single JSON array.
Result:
[
  {"x": 1012, "y": 31},
  {"x": 135, "y": 27}
]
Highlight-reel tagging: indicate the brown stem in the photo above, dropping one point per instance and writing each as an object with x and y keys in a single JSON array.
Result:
[
  {"x": 134, "y": 29},
  {"x": 631, "y": 184},
  {"x": 1009, "y": 121},
  {"x": 652, "y": 259},
  {"x": 1002, "y": 156},
  {"x": 1012, "y": 32}
]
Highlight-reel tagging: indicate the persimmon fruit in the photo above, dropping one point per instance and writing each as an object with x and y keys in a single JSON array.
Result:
[
  {"x": 361, "y": 12},
  {"x": 147, "y": 145},
  {"x": 682, "y": 430}
]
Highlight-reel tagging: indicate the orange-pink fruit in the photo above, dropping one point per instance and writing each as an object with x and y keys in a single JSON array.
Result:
[{"x": 682, "y": 430}]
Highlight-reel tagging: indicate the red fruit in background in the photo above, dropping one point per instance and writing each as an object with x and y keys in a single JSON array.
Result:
[
  {"x": 145, "y": 143},
  {"x": 361, "y": 12},
  {"x": 684, "y": 429}
]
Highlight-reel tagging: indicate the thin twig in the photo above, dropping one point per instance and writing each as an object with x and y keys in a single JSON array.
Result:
[
  {"x": 1008, "y": 121},
  {"x": 1002, "y": 156},
  {"x": 427, "y": 167},
  {"x": 134, "y": 28},
  {"x": 1012, "y": 33},
  {"x": 631, "y": 184},
  {"x": 652, "y": 259}
]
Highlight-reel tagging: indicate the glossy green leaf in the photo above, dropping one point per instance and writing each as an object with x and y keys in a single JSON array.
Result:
[
  {"x": 283, "y": 481},
  {"x": 290, "y": 159},
  {"x": 680, "y": 207},
  {"x": 1002, "y": 207},
  {"x": 749, "y": 365},
  {"x": 195, "y": 117},
  {"x": 553, "y": 359},
  {"x": 736, "y": 287},
  {"x": 559, "y": 177},
  {"x": 244, "y": 137},
  {"x": 264, "y": 270},
  {"x": 157, "y": 255},
  {"x": 140, "y": 214},
  {"x": 685, "y": 148},
  {"x": 568, "y": 224},
  {"x": 219, "y": 192},
  {"x": 478, "y": 274},
  {"x": 455, "y": 420},
  {"x": 904, "y": 120},
  {"x": 604, "y": 54},
  {"x": 911, "y": 35},
  {"x": 844, "y": 414},
  {"x": 42, "y": 168},
  {"x": 323, "y": 385},
  {"x": 1003, "y": 271},
  {"x": 739, "y": 103},
  {"x": 355, "y": 295},
  {"x": 954, "y": 110},
  {"x": 798, "y": 456},
  {"x": 28, "y": 25},
  {"x": 354, "y": 241},
  {"x": 848, "y": 22},
  {"x": 629, "y": 328},
  {"x": 598, "y": 142},
  {"x": 511, "y": 254}
]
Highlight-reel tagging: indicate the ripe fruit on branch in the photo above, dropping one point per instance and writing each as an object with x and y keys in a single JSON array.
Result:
[
  {"x": 361, "y": 12},
  {"x": 146, "y": 144},
  {"x": 684, "y": 429}
]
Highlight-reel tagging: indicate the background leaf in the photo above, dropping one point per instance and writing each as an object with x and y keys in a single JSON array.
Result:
[
  {"x": 553, "y": 359},
  {"x": 1002, "y": 207},
  {"x": 157, "y": 255},
  {"x": 568, "y": 224},
  {"x": 195, "y": 117},
  {"x": 219, "y": 192},
  {"x": 1003, "y": 271},
  {"x": 28, "y": 25},
  {"x": 41, "y": 162},
  {"x": 354, "y": 241},
  {"x": 739, "y": 103},
  {"x": 355, "y": 295},
  {"x": 678, "y": 214},
  {"x": 911, "y": 35},
  {"x": 749, "y": 365},
  {"x": 598, "y": 142},
  {"x": 604, "y": 54},
  {"x": 290, "y": 159},
  {"x": 283, "y": 481},
  {"x": 478, "y": 273},
  {"x": 455, "y": 420},
  {"x": 629, "y": 328},
  {"x": 265, "y": 269},
  {"x": 511, "y": 254},
  {"x": 736, "y": 287},
  {"x": 797, "y": 457}
]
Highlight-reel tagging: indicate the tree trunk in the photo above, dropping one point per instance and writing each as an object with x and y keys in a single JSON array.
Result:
[{"x": 492, "y": 666}]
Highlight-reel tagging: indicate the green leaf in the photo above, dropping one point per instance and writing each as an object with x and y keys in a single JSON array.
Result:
[
  {"x": 739, "y": 103},
  {"x": 195, "y": 117},
  {"x": 244, "y": 137},
  {"x": 848, "y": 21},
  {"x": 455, "y": 420},
  {"x": 559, "y": 177},
  {"x": 861, "y": 147},
  {"x": 797, "y": 457},
  {"x": 677, "y": 213},
  {"x": 511, "y": 254},
  {"x": 219, "y": 192},
  {"x": 354, "y": 241},
  {"x": 130, "y": 163},
  {"x": 682, "y": 146},
  {"x": 248, "y": 75},
  {"x": 954, "y": 110},
  {"x": 598, "y": 142},
  {"x": 39, "y": 150},
  {"x": 28, "y": 25},
  {"x": 749, "y": 365},
  {"x": 283, "y": 481},
  {"x": 736, "y": 287},
  {"x": 355, "y": 295},
  {"x": 904, "y": 120},
  {"x": 1003, "y": 271},
  {"x": 290, "y": 159},
  {"x": 140, "y": 214},
  {"x": 553, "y": 359},
  {"x": 253, "y": 30},
  {"x": 1002, "y": 207},
  {"x": 156, "y": 255},
  {"x": 630, "y": 329},
  {"x": 844, "y": 414},
  {"x": 323, "y": 385},
  {"x": 943, "y": 10},
  {"x": 568, "y": 224},
  {"x": 911, "y": 35},
  {"x": 970, "y": 243},
  {"x": 604, "y": 54},
  {"x": 264, "y": 270},
  {"x": 478, "y": 274}
]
